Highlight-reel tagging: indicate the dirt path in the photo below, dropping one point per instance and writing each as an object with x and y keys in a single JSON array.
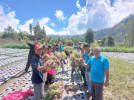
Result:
[{"x": 122, "y": 56}]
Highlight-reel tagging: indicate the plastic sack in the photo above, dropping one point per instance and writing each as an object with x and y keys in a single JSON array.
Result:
[{"x": 18, "y": 95}]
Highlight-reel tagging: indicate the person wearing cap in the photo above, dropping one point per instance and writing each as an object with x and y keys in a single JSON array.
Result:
[
  {"x": 87, "y": 70},
  {"x": 80, "y": 44},
  {"x": 31, "y": 53},
  {"x": 37, "y": 73},
  {"x": 99, "y": 73}
]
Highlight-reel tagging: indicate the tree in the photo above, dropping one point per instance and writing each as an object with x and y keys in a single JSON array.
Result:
[
  {"x": 43, "y": 33},
  {"x": 130, "y": 29},
  {"x": 30, "y": 28},
  {"x": 39, "y": 33},
  {"x": 75, "y": 40},
  {"x": 110, "y": 41},
  {"x": 89, "y": 36},
  {"x": 36, "y": 30},
  {"x": 9, "y": 30}
]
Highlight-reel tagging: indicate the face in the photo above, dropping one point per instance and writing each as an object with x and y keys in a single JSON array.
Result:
[
  {"x": 45, "y": 50},
  {"x": 82, "y": 50},
  {"x": 87, "y": 48},
  {"x": 79, "y": 45},
  {"x": 38, "y": 51},
  {"x": 35, "y": 43},
  {"x": 50, "y": 50},
  {"x": 54, "y": 47},
  {"x": 96, "y": 52}
]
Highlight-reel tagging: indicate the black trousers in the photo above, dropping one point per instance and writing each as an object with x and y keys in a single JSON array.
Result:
[
  {"x": 96, "y": 90},
  {"x": 73, "y": 69},
  {"x": 49, "y": 79},
  {"x": 82, "y": 69},
  {"x": 28, "y": 63}
]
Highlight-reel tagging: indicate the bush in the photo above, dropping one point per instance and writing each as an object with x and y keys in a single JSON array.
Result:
[
  {"x": 94, "y": 45},
  {"x": 117, "y": 49},
  {"x": 18, "y": 46}
]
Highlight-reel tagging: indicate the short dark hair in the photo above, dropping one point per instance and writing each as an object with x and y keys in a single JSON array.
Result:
[
  {"x": 86, "y": 45},
  {"x": 49, "y": 46}
]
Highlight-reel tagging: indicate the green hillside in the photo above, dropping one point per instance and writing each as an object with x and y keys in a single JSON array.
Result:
[{"x": 118, "y": 31}]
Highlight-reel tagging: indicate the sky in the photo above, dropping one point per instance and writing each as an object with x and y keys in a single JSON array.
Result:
[{"x": 63, "y": 17}]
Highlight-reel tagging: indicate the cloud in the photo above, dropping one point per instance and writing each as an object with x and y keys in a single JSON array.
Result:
[
  {"x": 98, "y": 14},
  {"x": 8, "y": 20},
  {"x": 60, "y": 16},
  {"x": 52, "y": 24},
  {"x": 44, "y": 21},
  {"x": 25, "y": 27}
]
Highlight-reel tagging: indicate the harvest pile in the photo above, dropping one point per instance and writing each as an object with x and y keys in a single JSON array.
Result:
[
  {"x": 69, "y": 43},
  {"x": 76, "y": 59},
  {"x": 61, "y": 56},
  {"x": 68, "y": 50},
  {"x": 55, "y": 91},
  {"x": 71, "y": 88},
  {"x": 53, "y": 61}
]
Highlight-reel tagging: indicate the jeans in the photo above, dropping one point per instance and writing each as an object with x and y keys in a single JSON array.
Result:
[
  {"x": 62, "y": 66},
  {"x": 87, "y": 76},
  {"x": 38, "y": 91}
]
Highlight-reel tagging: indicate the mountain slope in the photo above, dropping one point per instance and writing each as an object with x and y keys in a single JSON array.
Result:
[{"x": 118, "y": 31}]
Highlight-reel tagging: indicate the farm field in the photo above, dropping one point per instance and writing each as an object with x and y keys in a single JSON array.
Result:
[{"x": 13, "y": 61}]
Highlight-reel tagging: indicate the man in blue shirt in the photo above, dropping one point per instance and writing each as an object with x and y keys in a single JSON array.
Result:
[
  {"x": 37, "y": 73},
  {"x": 87, "y": 70},
  {"x": 78, "y": 46},
  {"x": 61, "y": 48},
  {"x": 99, "y": 69}
]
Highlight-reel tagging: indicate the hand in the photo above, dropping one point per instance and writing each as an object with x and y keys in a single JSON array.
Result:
[
  {"x": 45, "y": 67},
  {"x": 106, "y": 83}
]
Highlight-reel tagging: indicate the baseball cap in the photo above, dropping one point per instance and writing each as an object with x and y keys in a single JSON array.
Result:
[{"x": 38, "y": 46}]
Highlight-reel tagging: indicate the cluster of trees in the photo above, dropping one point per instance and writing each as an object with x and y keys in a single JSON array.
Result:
[
  {"x": 89, "y": 38},
  {"x": 36, "y": 33},
  {"x": 39, "y": 33},
  {"x": 108, "y": 41}
]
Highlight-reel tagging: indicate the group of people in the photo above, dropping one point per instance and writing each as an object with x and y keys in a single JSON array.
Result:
[
  {"x": 94, "y": 70},
  {"x": 41, "y": 78}
]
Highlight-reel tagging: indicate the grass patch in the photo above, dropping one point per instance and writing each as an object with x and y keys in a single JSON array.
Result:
[
  {"x": 13, "y": 45},
  {"x": 121, "y": 79},
  {"x": 117, "y": 49}
]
